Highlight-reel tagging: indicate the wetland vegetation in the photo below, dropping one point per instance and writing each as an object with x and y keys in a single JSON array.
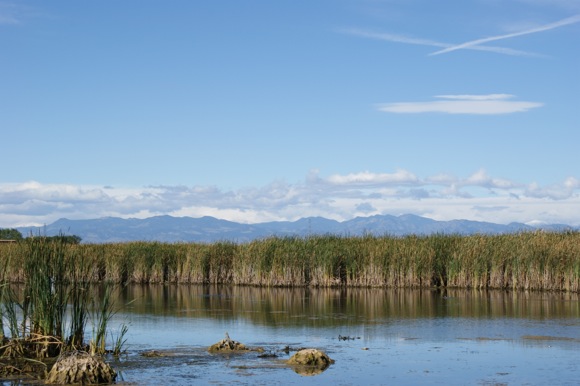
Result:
[
  {"x": 46, "y": 311},
  {"x": 54, "y": 290},
  {"x": 530, "y": 261}
]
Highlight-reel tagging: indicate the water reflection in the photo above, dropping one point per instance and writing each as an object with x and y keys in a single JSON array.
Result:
[
  {"x": 403, "y": 337},
  {"x": 292, "y": 306}
]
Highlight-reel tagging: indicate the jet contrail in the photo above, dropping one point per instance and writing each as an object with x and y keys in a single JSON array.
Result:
[
  {"x": 432, "y": 43},
  {"x": 473, "y": 43}
]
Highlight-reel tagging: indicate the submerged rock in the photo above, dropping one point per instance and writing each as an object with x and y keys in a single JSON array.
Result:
[
  {"x": 310, "y": 361},
  {"x": 153, "y": 354},
  {"x": 82, "y": 368}
]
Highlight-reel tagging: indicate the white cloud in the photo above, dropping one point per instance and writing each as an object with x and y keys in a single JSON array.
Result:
[
  {"x": 475, "y": 43},
  {"x": 372, "y": 179},
  {"x": 572, "y": 183},
  {"x": 478, "y": 196},
  {"x": 491, "y": 104},
  {"x": 482, "y": 179},
  {"x": 557, "y": 192}
]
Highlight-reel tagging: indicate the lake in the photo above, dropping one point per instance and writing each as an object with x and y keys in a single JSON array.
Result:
[{"x": 375, "y": 336}]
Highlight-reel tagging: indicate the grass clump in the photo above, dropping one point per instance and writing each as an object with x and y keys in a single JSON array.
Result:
[{"x": 45, "y": 312}]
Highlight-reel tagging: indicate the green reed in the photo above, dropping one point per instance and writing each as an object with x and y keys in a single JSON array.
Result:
[
  {"x": 46, "y": 306},
  {"x": 532, "y": 260}
]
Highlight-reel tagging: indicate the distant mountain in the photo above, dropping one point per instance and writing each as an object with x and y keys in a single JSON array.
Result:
[{"x": 210, "y": 229}]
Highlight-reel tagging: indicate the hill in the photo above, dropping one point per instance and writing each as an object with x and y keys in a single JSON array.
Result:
[{"x": 210, "y": 229}]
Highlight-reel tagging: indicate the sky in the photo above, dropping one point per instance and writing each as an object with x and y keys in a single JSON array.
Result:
[{"x": 261, "y": 110}]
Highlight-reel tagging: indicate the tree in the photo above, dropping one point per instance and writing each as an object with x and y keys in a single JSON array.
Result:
[{"x": 10, "y": 234}]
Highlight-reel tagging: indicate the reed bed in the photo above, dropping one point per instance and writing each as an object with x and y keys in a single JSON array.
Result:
[
  {"x": 530, "y": 261},
  {"x": 47, "y": 298}
]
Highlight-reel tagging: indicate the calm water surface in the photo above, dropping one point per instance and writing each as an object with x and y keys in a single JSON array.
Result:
[{"x": 394, "y": 337}]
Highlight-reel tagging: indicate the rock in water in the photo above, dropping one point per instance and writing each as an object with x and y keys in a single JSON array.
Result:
[
  {"x": 80, "y": 367},
  {"x": 310, "y": 361},
  {"x": 227, "y": 345}
]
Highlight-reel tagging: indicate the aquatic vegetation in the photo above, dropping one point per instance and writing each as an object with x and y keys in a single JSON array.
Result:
[
  {"x": 533, "y": 261},
  {"x": 46, "y": 297}
]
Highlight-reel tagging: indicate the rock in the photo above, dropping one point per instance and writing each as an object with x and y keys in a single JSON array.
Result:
[
  {"x": 228, "y": 345},
  {"x": 310, "y": 361},
  {"x": 82, "y": 368}
]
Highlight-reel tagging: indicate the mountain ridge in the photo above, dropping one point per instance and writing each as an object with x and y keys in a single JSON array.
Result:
[{"x": 165, "y": 228}]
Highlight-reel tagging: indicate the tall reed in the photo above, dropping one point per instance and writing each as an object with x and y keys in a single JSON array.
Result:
[
  {"x": 52, "y": 292},
  {"x": 529, "y": 260}
]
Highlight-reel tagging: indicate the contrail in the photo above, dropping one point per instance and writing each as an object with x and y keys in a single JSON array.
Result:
[
  {"x": 432, "y": 43},
  {"x": 547, "y": 27}
]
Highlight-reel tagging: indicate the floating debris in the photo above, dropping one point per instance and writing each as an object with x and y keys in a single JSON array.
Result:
[
  {"x": 268, "y": 355},
  {"x": 340, "y": 337}
]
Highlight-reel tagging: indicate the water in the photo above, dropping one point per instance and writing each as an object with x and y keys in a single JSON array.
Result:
[{"x": 402, "y": 337}]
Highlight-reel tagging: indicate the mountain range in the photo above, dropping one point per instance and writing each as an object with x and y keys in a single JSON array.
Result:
[{"x": 211, "y": 229}]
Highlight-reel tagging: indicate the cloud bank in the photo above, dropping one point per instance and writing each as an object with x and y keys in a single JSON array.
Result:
[
  {"x": 491, "y": 104},
  {"x": 479, "y": 197}
]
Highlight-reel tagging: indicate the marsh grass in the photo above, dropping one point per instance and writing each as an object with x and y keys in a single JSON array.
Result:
[
  {"x": 532, "y": 261},
  {"x": 46, "y": 307}
]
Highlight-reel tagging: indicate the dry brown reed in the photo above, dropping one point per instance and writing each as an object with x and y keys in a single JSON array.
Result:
[{"x": 531, "y": 261}]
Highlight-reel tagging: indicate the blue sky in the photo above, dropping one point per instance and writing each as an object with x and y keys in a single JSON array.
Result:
[{"x": 264, "y": 110}]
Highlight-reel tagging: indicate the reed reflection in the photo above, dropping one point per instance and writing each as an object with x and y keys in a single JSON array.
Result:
[{"x": 332, "y": 306}]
